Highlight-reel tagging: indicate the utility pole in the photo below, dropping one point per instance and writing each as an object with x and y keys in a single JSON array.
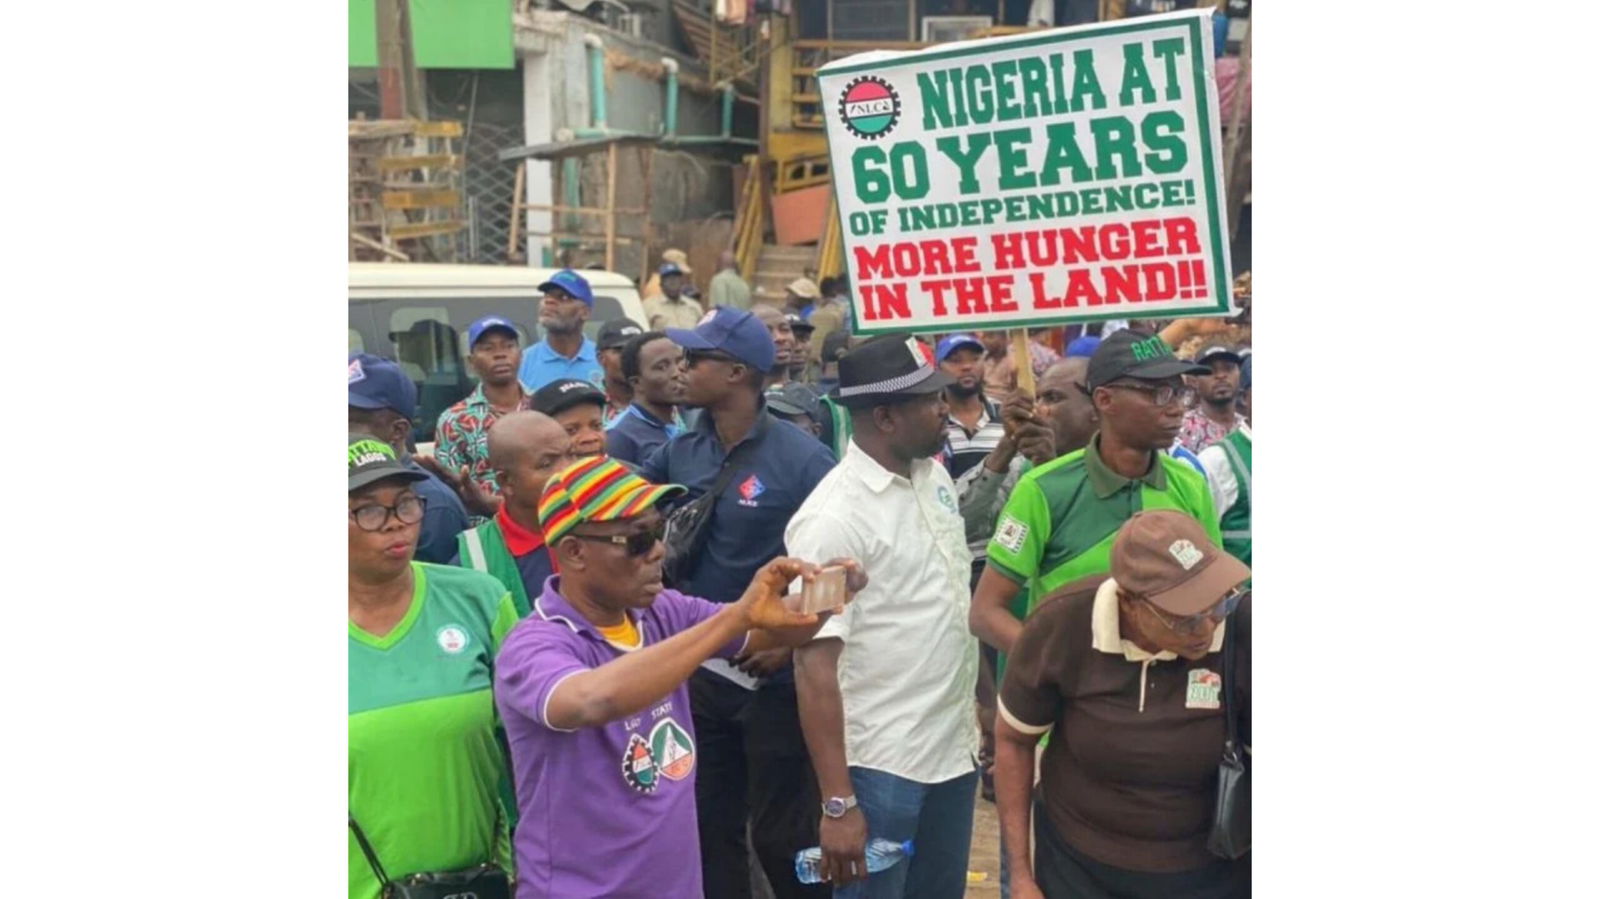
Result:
[{"x": 401, "y": 93}]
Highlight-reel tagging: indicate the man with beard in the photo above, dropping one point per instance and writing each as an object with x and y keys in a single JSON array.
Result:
[
  {"x": 782, "y": 334},
  {"x": 564, "y": 352},
  {"x": 756, "y": 777},
  {"x": 973, "y": 427},
  {"x": 1214, "y": 417},
  {"x": 886, "y": 687},
  {"x": 461, "y": 445},
  {"x": 652, "y": 365}
]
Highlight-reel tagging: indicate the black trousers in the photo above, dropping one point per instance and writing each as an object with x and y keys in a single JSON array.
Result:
[
  {"x": 1065, "y": 873},
  {"x": 753, "y": 768}
]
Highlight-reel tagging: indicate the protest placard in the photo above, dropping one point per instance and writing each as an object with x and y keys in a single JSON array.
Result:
[{"x": 1050, "y": 177}]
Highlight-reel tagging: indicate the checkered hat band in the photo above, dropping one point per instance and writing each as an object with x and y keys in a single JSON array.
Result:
[{"x": 891, "y": 385}]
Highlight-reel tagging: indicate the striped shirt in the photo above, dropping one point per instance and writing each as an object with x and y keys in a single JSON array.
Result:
[{"x": 965, "y": 449}]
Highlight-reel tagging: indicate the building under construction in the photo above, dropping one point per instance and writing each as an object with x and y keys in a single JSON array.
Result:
[{"x": 598, "y": 134}]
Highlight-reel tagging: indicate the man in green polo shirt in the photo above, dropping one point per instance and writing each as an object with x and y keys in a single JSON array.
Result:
[{"x": 1059, "y": 522}]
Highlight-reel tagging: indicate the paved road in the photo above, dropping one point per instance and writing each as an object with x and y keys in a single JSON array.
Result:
[{"x": 985, "y": 852}]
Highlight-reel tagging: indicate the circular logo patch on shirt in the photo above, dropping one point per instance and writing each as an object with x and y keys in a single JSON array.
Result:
[
  {"x": 673, "y": 749},
  {"x": 453, "y": 638},
  {"x": 639, "y": 765},
  {"x": 946, "y": 500}
]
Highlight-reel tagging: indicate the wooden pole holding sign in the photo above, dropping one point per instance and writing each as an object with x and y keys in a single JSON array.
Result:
[{"x": 1024, "y": 359}]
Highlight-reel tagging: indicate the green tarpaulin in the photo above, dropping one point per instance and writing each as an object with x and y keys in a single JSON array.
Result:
[{"x": 446, "y": 34}]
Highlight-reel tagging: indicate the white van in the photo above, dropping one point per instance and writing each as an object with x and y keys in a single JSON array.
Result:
[{"x": 417, "y": 314}]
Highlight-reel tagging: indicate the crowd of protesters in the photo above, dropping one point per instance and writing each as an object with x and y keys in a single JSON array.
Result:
[{"x": 576, "y": 663}]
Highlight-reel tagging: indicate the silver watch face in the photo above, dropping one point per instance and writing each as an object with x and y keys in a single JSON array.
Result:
[{"x": 835, "y": 807}]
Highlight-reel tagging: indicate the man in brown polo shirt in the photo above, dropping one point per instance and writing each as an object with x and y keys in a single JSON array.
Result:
[{"x": 1127, "y": 669}]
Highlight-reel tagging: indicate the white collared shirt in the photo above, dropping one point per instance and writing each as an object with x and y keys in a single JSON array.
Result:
[{"x": 909, "y": 664}]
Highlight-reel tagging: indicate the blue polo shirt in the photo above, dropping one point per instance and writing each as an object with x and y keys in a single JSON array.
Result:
[
  {"x": 774, "y": 475},
  {"x": 541, "y": 365},
  {"x": 635, "y": 434}
]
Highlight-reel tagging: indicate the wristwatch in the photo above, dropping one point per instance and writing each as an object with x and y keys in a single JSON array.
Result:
[{"x": 837, "y": 806}]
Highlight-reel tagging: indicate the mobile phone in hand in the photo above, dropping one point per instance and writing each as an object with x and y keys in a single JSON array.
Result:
[{"x": 823, "y": 593}]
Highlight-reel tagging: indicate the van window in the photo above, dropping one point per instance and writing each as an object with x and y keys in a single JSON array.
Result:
[
  {"x": 357, "y": 345},
  {"x": 427, "y": 344},
  {"x": 605, "y": 309}
]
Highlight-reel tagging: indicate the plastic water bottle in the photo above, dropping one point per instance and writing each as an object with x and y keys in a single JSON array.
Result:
[{"x": 881, "y": 854}]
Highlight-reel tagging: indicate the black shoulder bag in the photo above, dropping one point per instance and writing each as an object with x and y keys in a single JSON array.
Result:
[
  {"x": 1230, "y": 826},
  {"x": 486, "y": 881},
  {"x": 686, "y": 526}
]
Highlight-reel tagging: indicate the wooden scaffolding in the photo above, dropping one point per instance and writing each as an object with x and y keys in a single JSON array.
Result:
[{"x": 405, "y": 190}]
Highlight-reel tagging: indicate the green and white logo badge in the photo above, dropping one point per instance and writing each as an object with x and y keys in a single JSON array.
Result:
[
  {"x": 1205, "y": 690},
  {"x": 673, "y": 749},
  {"x": 453, "y": 638}
]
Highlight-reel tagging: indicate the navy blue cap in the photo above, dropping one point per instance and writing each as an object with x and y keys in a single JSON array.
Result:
[
  {"x": 1083, "y": 346},
  {"x": 477, "y": 328},
  {"x": 573, "y": 283},
  {"x": 669, "y": 268},
  {"x": 377, "y": 383},
  {"x": 955, "y": 342},
  {"x": 736, "y": 332}
]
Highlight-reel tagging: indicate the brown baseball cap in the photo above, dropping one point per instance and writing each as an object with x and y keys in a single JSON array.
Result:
[{"x": 1165, "y": 556}]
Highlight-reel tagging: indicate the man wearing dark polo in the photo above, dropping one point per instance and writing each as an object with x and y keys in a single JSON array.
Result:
[
  {"x": 1127, "y": 669},
  {"x": 754, "y": 766}
]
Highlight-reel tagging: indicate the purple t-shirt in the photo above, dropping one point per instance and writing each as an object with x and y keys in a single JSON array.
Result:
[{"x": 604, "y": 811}]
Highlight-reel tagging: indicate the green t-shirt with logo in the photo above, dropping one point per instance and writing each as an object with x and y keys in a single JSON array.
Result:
[
  {"x": 425, "y": 764},
  {"x": 1060, "y": 520}
]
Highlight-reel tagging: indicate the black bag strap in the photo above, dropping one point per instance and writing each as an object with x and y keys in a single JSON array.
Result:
[
  {"x": 725, "y": 477},
  {"x": 1230, "y": 709},
  {"x": 366, "y": 849}
]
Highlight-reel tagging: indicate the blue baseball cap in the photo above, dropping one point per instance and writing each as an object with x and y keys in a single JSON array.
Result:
[
  {"x": 955, "y": 342},
  {"x": 477, "y": 329},
  {"x": 1083, "y": 346},
  {"x": 573, "y": 283},
  {"x": 669, "y": 268},
  {"x": 378, "y": 383},
  {"x": 736, "y": 332}
]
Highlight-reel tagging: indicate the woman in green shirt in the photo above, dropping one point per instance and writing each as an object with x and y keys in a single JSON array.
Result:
[{"x": 425, "y": 764}]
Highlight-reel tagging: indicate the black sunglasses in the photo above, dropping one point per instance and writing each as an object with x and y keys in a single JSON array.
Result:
[
  {"x": 637, "y": 544},
  {"x": 693, "y": 357}
]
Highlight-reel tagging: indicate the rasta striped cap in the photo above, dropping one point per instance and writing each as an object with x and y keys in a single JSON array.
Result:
[{"x": 596, "y": 489}]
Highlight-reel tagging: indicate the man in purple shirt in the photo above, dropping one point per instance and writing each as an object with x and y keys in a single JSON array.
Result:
[{"x": 592, "y": 689}]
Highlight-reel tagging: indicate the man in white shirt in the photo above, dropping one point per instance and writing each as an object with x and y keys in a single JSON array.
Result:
[{"x": 886, "y": 689}]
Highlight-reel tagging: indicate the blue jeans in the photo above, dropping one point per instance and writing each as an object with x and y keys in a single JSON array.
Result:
[{"x": 937, "y": 817}]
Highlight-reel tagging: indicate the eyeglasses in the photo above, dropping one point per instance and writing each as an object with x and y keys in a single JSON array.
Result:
[
  {"x": 692, "y": 358},
  {"x": 375, "y": 517},
  {"x": 637, "y": 544},
  {"x": 1160, "y": 394},
  {"x": 1191, "y": 624}
]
